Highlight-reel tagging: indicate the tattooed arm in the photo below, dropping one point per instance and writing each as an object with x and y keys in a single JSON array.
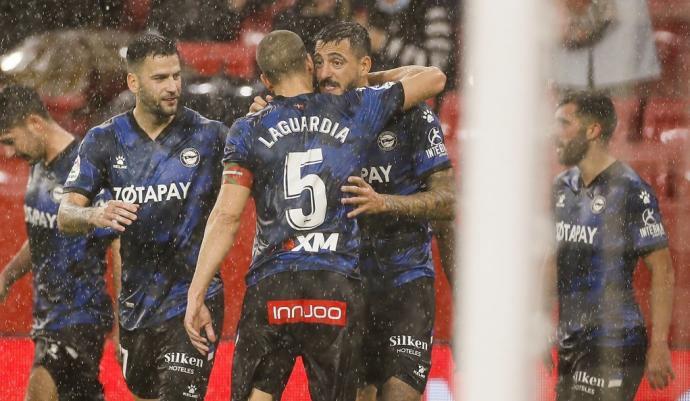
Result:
[
  {"x": 76, "y": 217},
  {"x": 436, "y": 203}
]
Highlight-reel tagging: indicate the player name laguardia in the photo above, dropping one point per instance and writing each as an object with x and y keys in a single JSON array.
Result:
[
  {"x": 152, "y": 193},
  {"x": 314, "y": 124}
]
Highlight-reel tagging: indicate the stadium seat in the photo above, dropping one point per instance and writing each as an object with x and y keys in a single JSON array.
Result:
[
  {"x": 662, "y": 114},
  {"x": 213, "y": 58}
]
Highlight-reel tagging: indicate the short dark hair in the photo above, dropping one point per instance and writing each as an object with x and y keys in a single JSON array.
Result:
[
  {"x": 360, "y": 42},
  {"x": 149, "y": 44},
  {"x": 594, "y": 106},
  {"x": 281, "y": 53},
  {"x": 17, "y": 103}
]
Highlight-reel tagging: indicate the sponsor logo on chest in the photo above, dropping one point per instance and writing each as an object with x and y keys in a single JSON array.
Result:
[
  {"x": 378, "y": 174},
  {"x": 39, "y": 218},
  {"x": 575, "y": 233},
  {"x": 152, "y": 193}
]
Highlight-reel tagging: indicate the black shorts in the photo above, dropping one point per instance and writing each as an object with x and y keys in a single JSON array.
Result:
[
  {"x": 72, "y": 357},
  {"x": 595, "y": 373},
  {"x": 398, "y": 333},
  {"x": 161, "y": 362},
  {"x": 312, "y": 314}
]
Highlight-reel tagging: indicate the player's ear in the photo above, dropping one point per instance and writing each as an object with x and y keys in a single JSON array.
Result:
[
  {"x": 132, "y": 82},
  {"x": 594, "y": 131},
  {"x": 35, "y": 122},
  {"x": 365, "y": 65},
  {"x": 266, "y": 82},
  {"x": 310, "y": 65}
]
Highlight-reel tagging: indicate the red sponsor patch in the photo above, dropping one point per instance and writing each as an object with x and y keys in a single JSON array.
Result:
[{"x": 318, "y": 311}]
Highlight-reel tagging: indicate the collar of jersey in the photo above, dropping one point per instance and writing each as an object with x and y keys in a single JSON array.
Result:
[
  {"x": 64, "y": 152},
  {"x": 140, "y": 131},
  {"x": 577, "y": 183}
]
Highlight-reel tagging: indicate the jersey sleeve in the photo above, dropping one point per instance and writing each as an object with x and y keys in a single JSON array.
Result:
[
  {"x": 430, "y": 153},
  {"x": 378, "y": 104},
  {"x": 645, "y": 226},
  {"x": 238, "y": 145},
  {"x": 88, "y": 172}
]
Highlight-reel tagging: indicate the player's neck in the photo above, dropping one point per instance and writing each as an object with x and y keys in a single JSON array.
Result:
[
  {"x": 293, "y": 86},
  {"x": 152, "y": 124},
  {"x": 57, "y": 140},
  {"x": 594, "y": 163}
]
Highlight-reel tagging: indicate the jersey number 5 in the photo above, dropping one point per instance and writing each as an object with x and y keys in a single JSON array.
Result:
[{"x": 294, "y": 185}]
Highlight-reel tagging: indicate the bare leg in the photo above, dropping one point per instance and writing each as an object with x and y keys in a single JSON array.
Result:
[
  {"x": 397, "y": 390},
  {"x": 41, "y": 386},
  {"x": 367, "y": 393},
  {"x": 258, "y": 395}
]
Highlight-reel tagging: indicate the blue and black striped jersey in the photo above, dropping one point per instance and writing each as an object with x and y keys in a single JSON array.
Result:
[{"x": 175, "y": 179}]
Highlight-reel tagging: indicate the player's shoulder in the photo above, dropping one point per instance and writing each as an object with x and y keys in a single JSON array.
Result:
[
  {"x": 624, "y": 175},
  {"x": 195, "y": 119},
  {"x": 107, "y": 128},
  {"x": 567, "y": 179},
  {"x": 421, "y": 112}
]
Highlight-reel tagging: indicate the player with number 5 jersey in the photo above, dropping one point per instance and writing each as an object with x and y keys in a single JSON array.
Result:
[{"x": 304, "y": 293}]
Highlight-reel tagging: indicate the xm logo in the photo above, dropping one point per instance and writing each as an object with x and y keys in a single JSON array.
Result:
[{"x": 315, "y": 242}]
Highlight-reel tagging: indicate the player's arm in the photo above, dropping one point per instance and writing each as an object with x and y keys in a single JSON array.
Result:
[
  {"x": 117, "y": 286},
  {"x": 444, "y": 231},
  {"x": 15, "y": 269},
  {"x": 437, "y": 202},
  {"x": 419, "y": 83},
  {"x": 219, "y": 236},
  {"x": 659, "y": 369},
  {"x": 75, "y": 216},
  {"x": 549, "y": 294}
]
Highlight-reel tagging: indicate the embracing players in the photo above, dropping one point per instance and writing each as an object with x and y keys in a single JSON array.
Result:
[{"x": 304, "y": 292}]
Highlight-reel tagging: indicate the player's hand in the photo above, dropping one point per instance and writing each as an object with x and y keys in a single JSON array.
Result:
[
  {"x": 116, "y": 345},
  {"x": 260, "y": 103},
  {"x": 4, "y": 288},
  {"x": 659, "y": 369},
  {"x": 115, "y": 214},
  {"x": 197, "y": 321},
  {"x": 365, "y": 199}
]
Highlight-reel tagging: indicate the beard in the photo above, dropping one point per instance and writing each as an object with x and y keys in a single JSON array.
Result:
[
  {"x": 574, "y": 151},
  {"x": 156, "y": 107}
]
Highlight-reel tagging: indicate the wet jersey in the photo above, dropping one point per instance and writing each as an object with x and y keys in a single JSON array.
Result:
[
  {"x": 406, "y": 152},
  {"x": 68, "y": 284},
  {"x": 175, "y": 179},
  {"x": 300, "y": 151},
  {"x": 601, "y": 232}
]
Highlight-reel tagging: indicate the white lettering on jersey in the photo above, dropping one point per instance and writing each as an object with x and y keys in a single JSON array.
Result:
[
  {"x": 152, "y": 193},
  {"x": 39, "y": 218},
  {"x": 314, "y": 124},
  {"x": 575, "y": 233},
  {"x": 314, "y": 242},
  {"x": 376, "y": 174},
  {"x": 653, "y": 230}
]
